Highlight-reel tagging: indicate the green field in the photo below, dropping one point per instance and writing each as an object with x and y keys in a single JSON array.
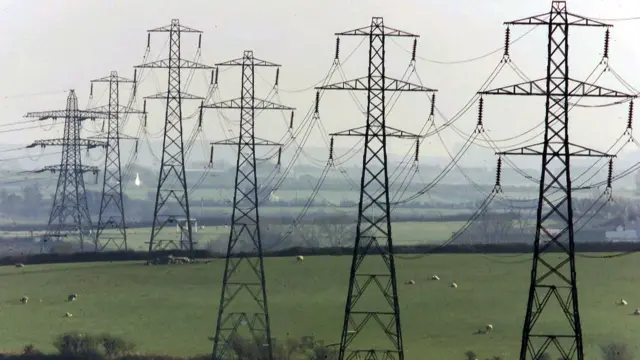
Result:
[
  {"x": 173, "y": 309},
  {"x": 408, "y": 233}
]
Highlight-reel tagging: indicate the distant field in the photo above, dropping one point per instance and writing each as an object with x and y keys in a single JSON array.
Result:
[
  {"x": 173, "y": 309},
  {"x": 280, "y": 211},
  {"x": 405, "y": 233}
]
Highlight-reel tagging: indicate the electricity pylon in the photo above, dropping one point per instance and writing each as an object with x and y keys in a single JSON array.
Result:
[
  {"x": 373, "y": 288},
  {"x": 172, "y": 167},
  {"x": 553, "y": 294},
  {"x": 70, "y": 215},
  {"x": 243, "y": 275},
  {"x": 112, "y": 212}
]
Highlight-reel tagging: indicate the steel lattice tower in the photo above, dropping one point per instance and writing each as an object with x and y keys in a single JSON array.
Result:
[
  {"x": 70, "y": 212},
  {"x": 112, "y": 213},
  {"x": 373, "y": 290},
  {"x": 244, "y": 275},
  {"x": 553, "y": 293},
  {"x": 172, "y": 168}
]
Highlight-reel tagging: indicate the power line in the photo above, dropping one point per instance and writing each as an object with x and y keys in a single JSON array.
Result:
[
  {"x": 249, "y": 301},
  {"x": 553, "y": 278},
  {"x": 172, "y": 169},
  {"x": 373, "y": 227},
  {"x": 69, "y": 215},
  {"x": 467, "y": 60}
]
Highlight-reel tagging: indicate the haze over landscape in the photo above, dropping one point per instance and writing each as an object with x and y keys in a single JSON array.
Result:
[{"x": 107, "y": 257}]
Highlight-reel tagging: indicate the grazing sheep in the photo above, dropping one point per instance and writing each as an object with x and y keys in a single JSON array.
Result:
[
  {"x": 636, "y": 312},
  {"x": 19, "y": 265},
  {"x": 488, "y": 328},
  {"x": 24, "y": 299},
  {"x": 72, "y": 297},
  {"x": 435, "y": 277},
  {"x": 454, "y": 285},
  {"x": 410, "y": 282},
  {"x": 622, "y": 302},
  {"x": 181, "y": 260},
  {"x": 68, "y": 314},
  {"x": 299, "y": 258}
]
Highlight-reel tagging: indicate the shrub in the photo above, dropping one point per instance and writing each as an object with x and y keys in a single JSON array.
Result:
[
  {"x": 471, "y": 355},
  {"x": 115, "y": 347},
  {"x": 306, "y": 348},
  {"x": 76, "y": 345},
  {"x": 616, "y": 351},
  {"x": 31, "y": 351}
]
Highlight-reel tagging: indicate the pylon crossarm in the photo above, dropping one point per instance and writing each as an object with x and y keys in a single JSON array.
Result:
[
  {"x": 253, "y": 62},
  {"x": 584, "y": 89},
  {"x": 57, "y": 168},
  {"x": 381, "y": 30},
  {"x": 545, "y": 19},
  {"x": 175, "y": 27},
  {"x": 113, "y": 78},
  {"x": 65, "y": 142},
  {"x": 76, "y": 114},
  {"x": 574, "y": 150},
  {"x": 534, "y": 87},
  {"x": 258, "y": 104},
  {"x": 576, "y": 88},
  {"x": 120, "y": 110},
  {"x": 258, "y": 142},
  {"x": 166, "y": 63},
  {"x": 363, "y": 84},
  {"x": 390, "y": 132},
  {"x": 120, "y": 137},
  {"x": 183, "y": 96}
]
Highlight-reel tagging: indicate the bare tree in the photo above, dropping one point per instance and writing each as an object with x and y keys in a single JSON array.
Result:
[
  {"x": 493, "y": 228},
  {"x": 325, "y": 232}
]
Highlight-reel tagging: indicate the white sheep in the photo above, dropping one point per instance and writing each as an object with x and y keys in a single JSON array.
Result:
[
  {"x": 24, "y": 299},
  {"x": 454, "y": 285},
  {"x": 410, "y": 282},
  {"x": 488, "y": 328},
  {"x": 299, "y": 258},
  {"x": 622, "y": 302},
  {"x": 637, "y": 311},
  {"x": 435, "y": 277},
  {"x": 68, "y": 315}
]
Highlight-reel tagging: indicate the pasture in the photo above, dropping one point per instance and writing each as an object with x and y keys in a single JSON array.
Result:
[
  {"x": 407, "y": 233},
  {"x": 173, "y": 309}
]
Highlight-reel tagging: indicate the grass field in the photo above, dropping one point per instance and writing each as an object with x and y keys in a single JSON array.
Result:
[
  {"x": 408, "y": 233},
  {"x": 173, "y": 309}
]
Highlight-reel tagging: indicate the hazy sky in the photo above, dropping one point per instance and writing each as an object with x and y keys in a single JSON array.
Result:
[{"x": 52, "y": 46}]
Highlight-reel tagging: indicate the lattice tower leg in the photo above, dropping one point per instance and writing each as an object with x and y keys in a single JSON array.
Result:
[
  {"x": 172, "y": 170},
  {"x": 111, "y": 204},
  {"x": 243, "y": 307},
  {"x": 552, "y": 322},
  {"x": 69, "y": 218},
  {"x": 373, "y": 293}
]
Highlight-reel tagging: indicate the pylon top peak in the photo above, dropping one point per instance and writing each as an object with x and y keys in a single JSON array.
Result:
[{"x": 72, "y": 95}]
